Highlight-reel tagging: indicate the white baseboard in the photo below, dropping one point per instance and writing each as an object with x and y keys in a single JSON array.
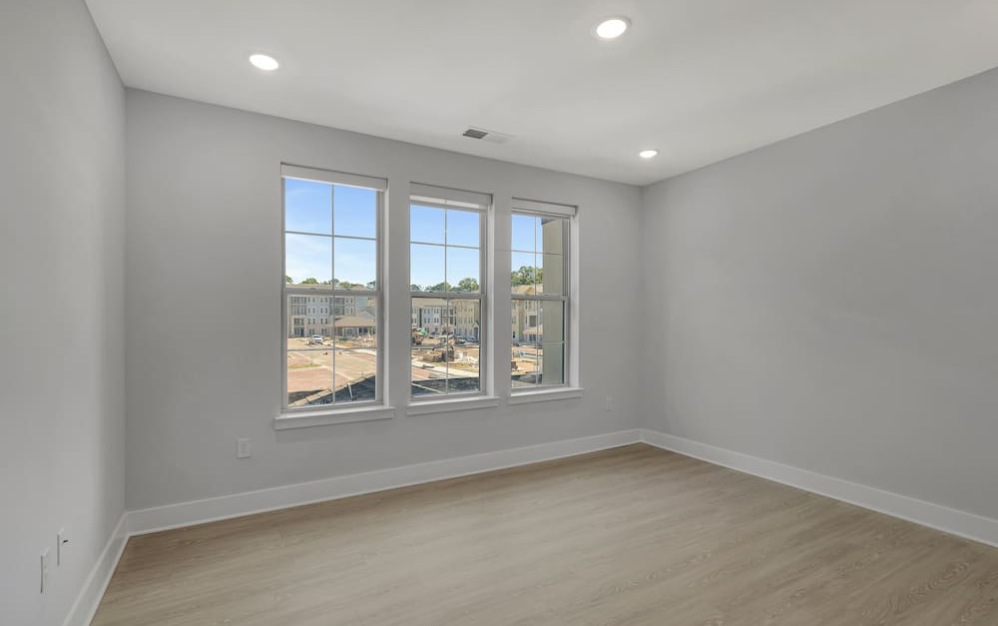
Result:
[
  {"x": 939, "y": 517},
  {"x": 85, "y": 606},
  {"x": 212, "y": 509},
  {"x": 961, "y": 523}
]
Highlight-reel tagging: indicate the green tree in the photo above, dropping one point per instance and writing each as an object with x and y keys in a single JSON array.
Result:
[
  {"x": 310, "y": 281},
  {"x": 444, "y": 286},
  {"x": 525, "y": 275},
  {"x": 288, "y": 279},
  {"x": 372, "y": 284},
  {"x": 415, "y": 287},
  {"x": 467, "y": 284}
]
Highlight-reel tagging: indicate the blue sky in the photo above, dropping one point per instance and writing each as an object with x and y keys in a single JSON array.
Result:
[
  {"x": 309, "y": 209},
  {"x": 435, "y": 233},
  {"x": 432, "y": 263},
  {"x": 525, "y": 235},
  {"x": 315, "y": 210}
]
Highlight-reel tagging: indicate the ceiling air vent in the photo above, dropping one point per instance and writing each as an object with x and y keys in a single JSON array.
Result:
[{"x": 490, "y": 136}]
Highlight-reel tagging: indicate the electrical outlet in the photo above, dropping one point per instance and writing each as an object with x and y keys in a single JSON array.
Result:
[
  {"x": 45, "y": 570},
  {"x": 244, "y": 448},
  {"x": 60, "y": 543},
  {"x": 609, "y": 403}
]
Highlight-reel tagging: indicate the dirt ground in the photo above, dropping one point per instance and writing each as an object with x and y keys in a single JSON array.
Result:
[
  {"x": 310, "y": 367},
  {"x": 426, "y": 364}
]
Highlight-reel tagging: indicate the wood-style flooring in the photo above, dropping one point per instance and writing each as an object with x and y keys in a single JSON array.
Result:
[{"x": 633, "y": 535}]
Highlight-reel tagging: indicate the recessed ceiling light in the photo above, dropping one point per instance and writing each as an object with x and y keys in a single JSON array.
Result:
[
  {"x": 264, "y": 62},
  {"x": 612, "y": 28},
  {"x": 648, "y": 154}
]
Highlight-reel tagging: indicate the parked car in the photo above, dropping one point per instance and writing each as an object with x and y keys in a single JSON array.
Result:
[{"x": 315, "y": 340}]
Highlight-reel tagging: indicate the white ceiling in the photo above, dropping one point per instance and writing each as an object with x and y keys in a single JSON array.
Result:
[{"x": 700, "y": 80}]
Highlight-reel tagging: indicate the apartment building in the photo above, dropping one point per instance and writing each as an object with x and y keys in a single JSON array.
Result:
[
  {"x": 326, "y": 315},
  {"x": 437, "y": 316}
]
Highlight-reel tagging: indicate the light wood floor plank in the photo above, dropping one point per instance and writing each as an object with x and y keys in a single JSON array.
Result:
[{"x": 631, "y": 536}]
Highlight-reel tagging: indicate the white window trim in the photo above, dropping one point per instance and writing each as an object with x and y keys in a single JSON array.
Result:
[
  {"x": 333, "y": 178},
  {"x": 545, "y": 395},
  {"x": 455, "y": 403},
  {"x": 446, "y": 197},
  {"x": 306, "y": 416},
  {"x": 456, "y": 199},
  {"x": 544, "y": 208},
  {"x": 351, "y": 415},
  {"x": 572, "y": 387},
  {"x": 483, "y": 399}
]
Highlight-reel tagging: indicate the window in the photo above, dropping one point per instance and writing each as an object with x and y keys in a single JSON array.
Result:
[
  {"x": 447, "y": 277},
  {"x": 541, "y": 288},
  {"x": 332, "y": 288}
]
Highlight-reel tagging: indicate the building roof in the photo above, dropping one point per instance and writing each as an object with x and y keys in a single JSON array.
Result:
[
  {"x": 528, "y": 290},
  {"x": 356, "y": 289},
  {"x": 354, "y": 321}
]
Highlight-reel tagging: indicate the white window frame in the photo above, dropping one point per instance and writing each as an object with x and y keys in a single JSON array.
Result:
[
  {"x": 437, "y": 197},
  {"x": 571, "y": 385},
  {"x": 294, "y": 417}
]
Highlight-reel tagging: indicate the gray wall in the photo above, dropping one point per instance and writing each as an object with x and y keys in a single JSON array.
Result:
[
  {"x": 61, "y": 319},
  {"x": 830, "y": 301},
  {"x": 825, "y": 302},
  {"x": 204, "y": 305}
]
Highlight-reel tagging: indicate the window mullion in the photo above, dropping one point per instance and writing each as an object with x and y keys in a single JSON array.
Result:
[{"x": 332, "y": 301}]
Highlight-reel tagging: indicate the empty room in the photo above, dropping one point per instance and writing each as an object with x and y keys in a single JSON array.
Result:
[{"x": 550, "y": 312}]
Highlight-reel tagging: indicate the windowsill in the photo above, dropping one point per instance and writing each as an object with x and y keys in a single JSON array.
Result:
[
  {"x": 559, "y": 393},
  {"x": 452, "y": 404},
  {"x": 286, "y": 421}
]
